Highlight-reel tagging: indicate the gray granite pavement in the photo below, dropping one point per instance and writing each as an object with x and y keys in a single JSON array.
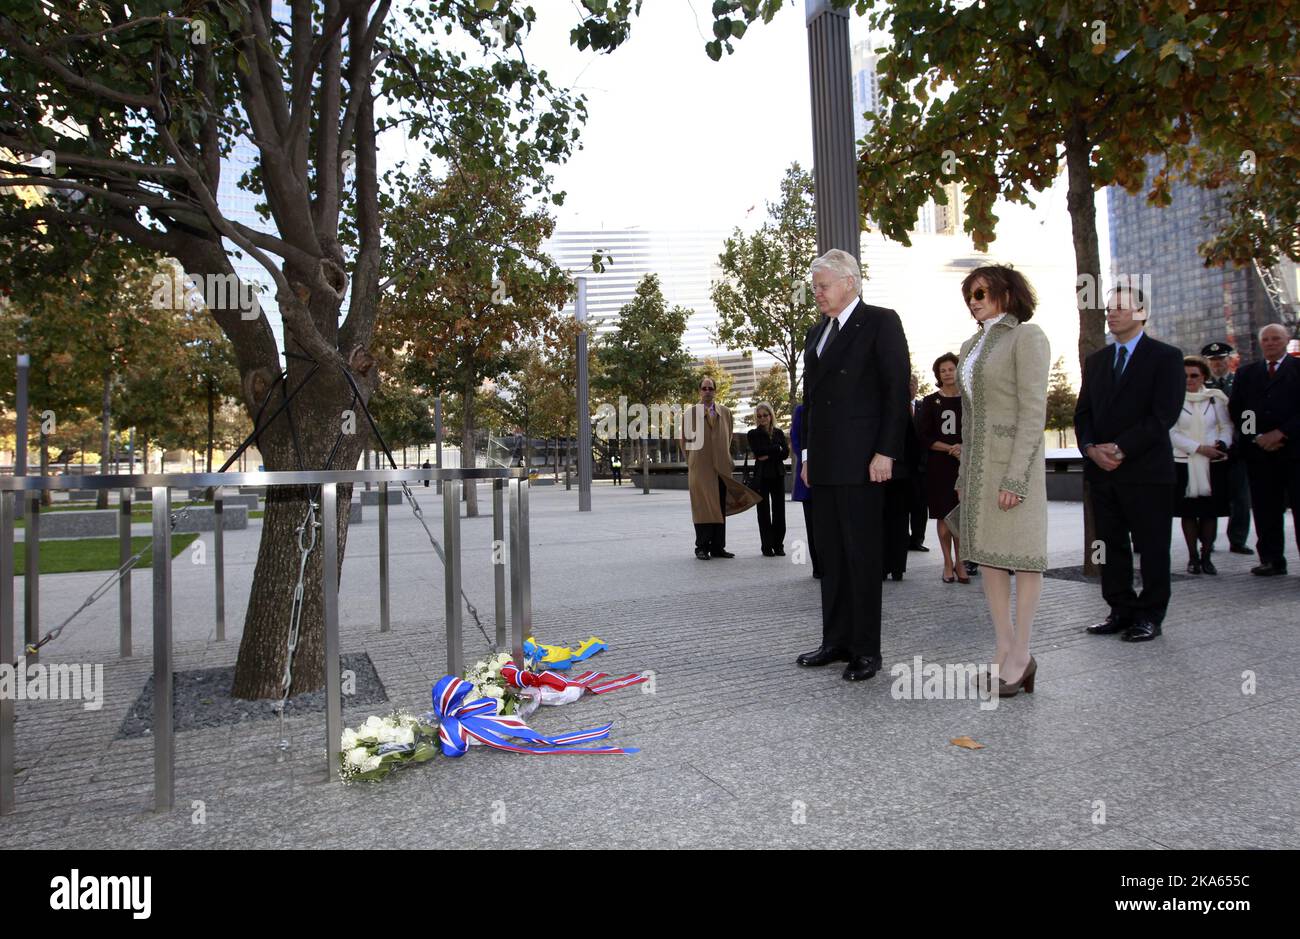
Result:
[{"x": 1185, "y": 742}]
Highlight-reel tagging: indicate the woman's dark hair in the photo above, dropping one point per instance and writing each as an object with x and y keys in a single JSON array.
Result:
[
  {"x": 946, "y": 357},
  {"x": 1007, "y": 288},
  {"x": 1200, "y": 363}
]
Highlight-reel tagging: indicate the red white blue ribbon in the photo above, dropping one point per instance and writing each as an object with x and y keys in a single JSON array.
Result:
[
  {"x": 459, "y": 723},
  {"x": 595, "y": 682}
]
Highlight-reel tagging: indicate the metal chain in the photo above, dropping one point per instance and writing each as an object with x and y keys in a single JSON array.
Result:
[
  {"x": 306, "y": 544},
  {"x": 175, "y": 518},
  {"x": 419, "y": 515}
]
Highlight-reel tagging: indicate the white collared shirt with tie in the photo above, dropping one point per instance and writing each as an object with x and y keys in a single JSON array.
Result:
[{"x": 843, "y": 320}]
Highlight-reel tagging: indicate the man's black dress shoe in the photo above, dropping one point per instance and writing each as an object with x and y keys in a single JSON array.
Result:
[
  {"x": 1268, "y": 570},
  {"x": 723, "y": 554},
  {"x": 701, "y": 554},
  {"x": 1109, "y": 626},
  {"x": 862, "y": 667},
  {"x": 767, "y": 553},
  {"x": 972, "y": 569},
  {"x": 1141, "y": 631},
  {"x": 824, "y": 655},
  {"x": 779, "y": 551},
  {"x": 917, "y": 546},
  {"x": 1240, "y": 549}
]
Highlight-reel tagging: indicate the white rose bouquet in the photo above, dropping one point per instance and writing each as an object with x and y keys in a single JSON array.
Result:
[
  {"x": 384, "y": 744},
  {"x": 488, "y": 682}
]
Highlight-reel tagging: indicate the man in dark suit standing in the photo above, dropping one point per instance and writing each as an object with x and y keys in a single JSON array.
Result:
[
  {"x": 856, "y": 369},
  {"x": 1265, "y": 408},
  {"x": 1131, "y": 396}
]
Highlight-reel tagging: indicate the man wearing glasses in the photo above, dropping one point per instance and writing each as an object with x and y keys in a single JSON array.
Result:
[{"x": 855, "y": 412}]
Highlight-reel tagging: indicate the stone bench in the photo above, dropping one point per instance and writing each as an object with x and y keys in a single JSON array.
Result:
[
  {"x": 249, "y": 502},
  {"x": 203, "y": 518},
  {"x": 89, "y": 524},
  {"x": 371, "y": 496},
  {"x": 83, "y": 495}
]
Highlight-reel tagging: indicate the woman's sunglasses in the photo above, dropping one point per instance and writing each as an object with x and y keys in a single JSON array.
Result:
[{"x": 978, "y": 294}]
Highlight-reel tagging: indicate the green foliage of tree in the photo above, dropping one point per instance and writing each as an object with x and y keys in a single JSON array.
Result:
[
  {"x": 763, "y": 300},
  {"x": 774, "y": 388},
  {"x": 1061, "y": 399},
  {"x": 138, "y": 107}
]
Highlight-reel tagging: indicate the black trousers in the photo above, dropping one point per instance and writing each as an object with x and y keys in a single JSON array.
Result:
[
  {"x": 771, "y": 512},
  {"x": 894, "y": 527},
  {"x": 846, "y": 522},
  {"x": 618, "y": 475},
  {"x": 1145, "y": 513},
  {"x": 713, "y": 537},
  {"x": 812, "y": 542},
  {"x": 919, "y": 507},
  {"x": 1238, "y": 504},
  {"x": 1273, "y": 480}
]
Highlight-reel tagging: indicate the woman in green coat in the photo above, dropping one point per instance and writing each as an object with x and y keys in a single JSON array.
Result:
[{"x": 1001, "y": 515}]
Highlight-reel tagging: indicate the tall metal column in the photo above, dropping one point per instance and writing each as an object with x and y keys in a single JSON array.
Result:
[
  {"x": 584, "y": 409},
  {"x": 834, "y": 152},
  {"x": 437, "y": 440}
]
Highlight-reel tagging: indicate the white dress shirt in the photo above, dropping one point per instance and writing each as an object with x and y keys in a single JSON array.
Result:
[
  {"x": 968, "y": 367},
  {"x": 843, "y": 320}
]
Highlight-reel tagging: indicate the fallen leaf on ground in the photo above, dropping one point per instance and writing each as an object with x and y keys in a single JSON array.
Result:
[{"x": 967, "y": 743}]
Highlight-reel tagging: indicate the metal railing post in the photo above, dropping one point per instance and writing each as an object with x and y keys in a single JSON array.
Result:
[
  {"x": 219, "y": 549},
  {"x": 164, "y": 742},
  {"x": 32, "y": 576},
  {"x": 330, "y": 590},
  {"x": 8, "y": 510},
  {"x": 384, "y": 624},
  {"x": 124, "y": 553},
  {"x": 521, "y": 614},
  {"x": 498, "y": 558},
  {"x": 451, "y": 574}
]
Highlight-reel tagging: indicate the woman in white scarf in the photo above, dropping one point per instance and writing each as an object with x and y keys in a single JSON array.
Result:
[{"x": 1201, "y": 439}]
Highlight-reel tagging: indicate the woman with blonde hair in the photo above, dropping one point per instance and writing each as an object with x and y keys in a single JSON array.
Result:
[
  {"x": 1001, "y": 515},
  {"x": 770, "y": 451}
]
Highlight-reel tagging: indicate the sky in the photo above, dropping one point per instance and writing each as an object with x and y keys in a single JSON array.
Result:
[{"x": 676, "y": 141}]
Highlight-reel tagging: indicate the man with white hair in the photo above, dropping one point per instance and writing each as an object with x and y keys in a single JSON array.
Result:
[
  {"x": 1265, "y": 408},
  {"x": 855, "y": 412}
]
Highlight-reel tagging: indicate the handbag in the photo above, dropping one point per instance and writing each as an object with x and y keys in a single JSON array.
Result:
[{"x": 749, "y": 475}]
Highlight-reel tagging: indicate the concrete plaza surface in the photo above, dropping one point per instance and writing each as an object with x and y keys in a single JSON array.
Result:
[{"x": 1185, "y": 742}]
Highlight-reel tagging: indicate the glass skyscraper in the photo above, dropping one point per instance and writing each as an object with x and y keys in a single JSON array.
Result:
[{"x": 1190, "y": 304}]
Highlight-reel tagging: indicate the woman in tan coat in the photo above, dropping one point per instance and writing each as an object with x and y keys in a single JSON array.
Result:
[{"x": 1001, "y": 484}]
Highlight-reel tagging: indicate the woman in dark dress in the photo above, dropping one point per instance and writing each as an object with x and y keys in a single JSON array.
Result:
[
  {"x": 770, "y": 452},
  {"x": 938, "y": 424}
]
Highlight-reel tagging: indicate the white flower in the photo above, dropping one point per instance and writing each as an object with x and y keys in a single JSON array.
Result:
[
  {"x": 404, "y": 736},
  {"x": 371, "y": 763},
  {"x": 349, "y": 740},
  {"x": 492, "y": 691},
  {"x": 358, "y": 757}
]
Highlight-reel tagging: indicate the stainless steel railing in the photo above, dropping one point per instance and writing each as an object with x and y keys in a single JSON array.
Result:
[{"x": 27, "y": 489}]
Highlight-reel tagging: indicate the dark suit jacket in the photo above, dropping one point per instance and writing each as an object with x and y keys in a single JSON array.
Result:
[
  {"x": 1137, "y": 414},
  {"x": 775, "y": 448},
  {"x": 855, "y": 396},
  {"x": 1275, "y": 405}
]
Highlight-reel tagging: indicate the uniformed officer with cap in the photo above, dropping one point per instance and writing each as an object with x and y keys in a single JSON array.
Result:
[{"x": 1219, "y": 355}]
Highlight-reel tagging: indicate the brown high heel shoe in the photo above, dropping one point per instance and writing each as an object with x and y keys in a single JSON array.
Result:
[{"x": 1026, "y": 682}]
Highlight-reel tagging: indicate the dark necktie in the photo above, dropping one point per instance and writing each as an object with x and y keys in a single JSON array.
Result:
[
  {"x": 1272, "y": 370},
  {"x": 1120, "y": 358},
  {"x": 830, "y": 337}
]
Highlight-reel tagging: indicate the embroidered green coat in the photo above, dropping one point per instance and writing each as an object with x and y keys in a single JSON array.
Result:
[{"x": 1004, "y": 413}]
